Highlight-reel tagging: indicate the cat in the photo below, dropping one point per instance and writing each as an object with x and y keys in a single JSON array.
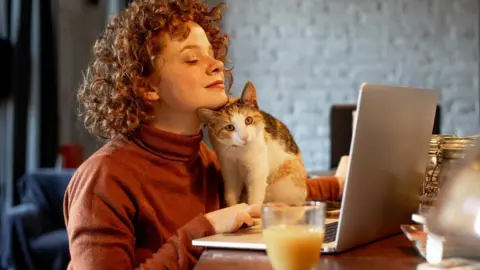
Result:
[{"x": 259, "y": 158}]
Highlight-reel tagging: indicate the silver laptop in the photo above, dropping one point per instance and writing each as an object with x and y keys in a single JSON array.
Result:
[{"x": 388, "y": 158}]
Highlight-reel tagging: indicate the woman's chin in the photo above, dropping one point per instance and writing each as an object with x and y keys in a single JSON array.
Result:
[{"x": 217, "y": 103}]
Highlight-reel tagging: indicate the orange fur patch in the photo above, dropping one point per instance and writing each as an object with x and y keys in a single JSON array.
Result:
[{"x": 294, "y": 169}]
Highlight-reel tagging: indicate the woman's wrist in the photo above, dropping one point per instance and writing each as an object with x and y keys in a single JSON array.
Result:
[{"x": 341, "y": 184}]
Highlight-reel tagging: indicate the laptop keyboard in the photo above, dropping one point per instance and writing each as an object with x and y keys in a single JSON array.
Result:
[{"x": 330, "y": 232}]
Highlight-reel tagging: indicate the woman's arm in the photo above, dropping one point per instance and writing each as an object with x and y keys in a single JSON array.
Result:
[
  {"x": 325, "y": 188},
  {"x": 99, "y": 210},
  {"x": 329, "y": 188}
]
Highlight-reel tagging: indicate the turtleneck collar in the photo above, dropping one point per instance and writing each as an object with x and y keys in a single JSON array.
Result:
[{"x": 170, "y": 145}]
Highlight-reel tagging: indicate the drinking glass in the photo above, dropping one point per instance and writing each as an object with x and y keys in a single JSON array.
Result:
[{"x": 293, "y": 235}]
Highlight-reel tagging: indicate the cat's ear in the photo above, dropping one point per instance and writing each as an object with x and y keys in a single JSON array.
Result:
[
  {"x": 207, "y": 115},
  {"x": 249, "y": 94}
]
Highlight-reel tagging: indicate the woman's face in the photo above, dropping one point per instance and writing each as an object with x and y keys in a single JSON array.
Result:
[{"x": 187, "y": 75}]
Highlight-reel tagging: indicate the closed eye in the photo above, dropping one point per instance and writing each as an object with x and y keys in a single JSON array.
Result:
[{"x": 192, "y": 62}]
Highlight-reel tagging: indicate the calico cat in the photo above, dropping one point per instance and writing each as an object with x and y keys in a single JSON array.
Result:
[{"x": 258, "y": 156}]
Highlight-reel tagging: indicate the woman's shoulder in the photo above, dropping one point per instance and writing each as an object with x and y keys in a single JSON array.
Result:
[
  {"x": 115, "y": 148},
  {"x": 111, "y": 164},
  {"x": 118, "y": 152},
  {"x": 102, "y": 180},
  {"x": 99, "y": 170}
]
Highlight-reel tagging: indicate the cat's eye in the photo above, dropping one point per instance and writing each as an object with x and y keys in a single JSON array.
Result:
[
  {"x": 229, "y": 128},
  {"x": 248, "y": 120}
]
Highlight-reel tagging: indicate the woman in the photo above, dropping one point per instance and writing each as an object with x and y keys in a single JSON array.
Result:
[{"x": 140, "y": 199}]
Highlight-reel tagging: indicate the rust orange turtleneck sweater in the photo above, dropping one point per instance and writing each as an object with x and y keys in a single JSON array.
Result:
[{"x": 138, "y": 202}]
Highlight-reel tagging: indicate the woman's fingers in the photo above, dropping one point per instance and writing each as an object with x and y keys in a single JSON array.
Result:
[
  {"x": 240, "y": 219},
  {"x": 255, "y": 210}
]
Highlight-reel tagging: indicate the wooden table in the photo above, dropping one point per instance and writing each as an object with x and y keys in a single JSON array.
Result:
[{"x": 396, "y": 252}]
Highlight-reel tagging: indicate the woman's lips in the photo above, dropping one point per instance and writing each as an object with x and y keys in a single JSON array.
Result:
[{"x": 217, "y": 85}]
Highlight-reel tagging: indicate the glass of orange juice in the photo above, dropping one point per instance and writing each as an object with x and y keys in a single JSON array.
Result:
[{"x": 293, "y": 235}]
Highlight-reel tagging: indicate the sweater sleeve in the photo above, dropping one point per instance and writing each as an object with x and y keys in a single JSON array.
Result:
[
  {"x": 99, "y": 208},
  {"x": 211, "y": 158},
  {"x": 324, "y": 188}
]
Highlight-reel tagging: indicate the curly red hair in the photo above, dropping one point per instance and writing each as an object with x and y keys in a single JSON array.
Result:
[{"x": 115, "y": 83}]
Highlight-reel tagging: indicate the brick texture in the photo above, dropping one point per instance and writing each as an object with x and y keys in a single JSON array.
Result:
[{"x": 306, "y": 55}]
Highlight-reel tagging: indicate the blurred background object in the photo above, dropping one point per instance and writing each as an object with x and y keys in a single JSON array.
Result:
[
  {"x": 456, "y": 212},
  {"x": 445, "y": 152},
  {"x": 452, "y": 221}
]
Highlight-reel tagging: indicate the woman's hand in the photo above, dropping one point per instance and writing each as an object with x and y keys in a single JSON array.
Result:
[
  {"x": 232, "y": 218},
  {"x": 341, "y": 173}
]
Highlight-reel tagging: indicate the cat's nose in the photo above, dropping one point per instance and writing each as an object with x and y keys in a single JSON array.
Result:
[{"x": 244, "y": 138}]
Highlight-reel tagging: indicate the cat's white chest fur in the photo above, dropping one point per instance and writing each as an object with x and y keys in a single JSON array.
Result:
[
  {"x": 260, "y": 154},
  {"x": 250, "y": 166}
]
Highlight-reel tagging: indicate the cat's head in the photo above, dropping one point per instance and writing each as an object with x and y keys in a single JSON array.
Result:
[{"x": 239, "y": 122}]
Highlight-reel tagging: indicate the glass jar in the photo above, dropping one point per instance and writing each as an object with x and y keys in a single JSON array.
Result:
[
  {"x": 457, "y": 211},
  {"x": 430, "y": 184},
  {"x": 444, "y": 153},
  {"x": 454, "y": 150}
]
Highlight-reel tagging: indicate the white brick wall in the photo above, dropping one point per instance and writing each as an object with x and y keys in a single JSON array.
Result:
[{"x": 305, "y": 55}]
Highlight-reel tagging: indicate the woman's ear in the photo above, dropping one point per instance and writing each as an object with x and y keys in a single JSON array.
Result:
[
  {"x": 149, "y": 93},
  {"x": 151, "y": 96}
]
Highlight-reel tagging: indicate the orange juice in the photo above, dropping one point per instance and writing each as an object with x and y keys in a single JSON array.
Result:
[{"x": 293, "y": 247}]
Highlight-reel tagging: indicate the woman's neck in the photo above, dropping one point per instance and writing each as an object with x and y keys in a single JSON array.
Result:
[{"x": 177, "y": 122}]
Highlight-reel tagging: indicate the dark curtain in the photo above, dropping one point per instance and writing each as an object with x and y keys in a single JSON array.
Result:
[
  {"x": 48, "y": 86},
  {"x": 21, "y": 86},
  {"x": 21, "y": 79},
  {"x": 6, "y": 51}
]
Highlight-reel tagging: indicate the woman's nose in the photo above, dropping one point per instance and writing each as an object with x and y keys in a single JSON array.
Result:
[{"x": 215, "y": 67}]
